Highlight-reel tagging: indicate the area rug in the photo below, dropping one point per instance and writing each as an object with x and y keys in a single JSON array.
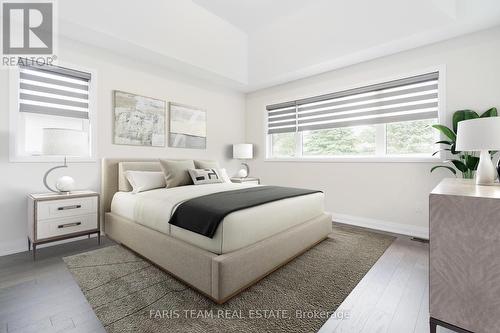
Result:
[{"x": 129, "y": 294}]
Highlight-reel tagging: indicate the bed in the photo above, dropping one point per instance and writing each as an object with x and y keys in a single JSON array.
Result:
[{"x": 247, "y": 245}]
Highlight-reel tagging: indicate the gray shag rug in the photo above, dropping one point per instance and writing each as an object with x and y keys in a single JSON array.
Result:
[{"x": 129, "y": 294}]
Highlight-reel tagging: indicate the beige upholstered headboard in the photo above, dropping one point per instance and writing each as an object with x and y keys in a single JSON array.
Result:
[{"x": 113, "y": 176}]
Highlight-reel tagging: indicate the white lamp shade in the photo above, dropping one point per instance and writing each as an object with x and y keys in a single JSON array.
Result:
[
  {"x": 478, "y": 134},
  {"x": 65, "y": 142},
  {"x": 243, "y": 151}
]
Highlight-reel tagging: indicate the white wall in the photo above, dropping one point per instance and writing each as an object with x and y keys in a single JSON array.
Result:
[
  {"x": 225, "y": 113},
  {"x": 385, "y": 195}
]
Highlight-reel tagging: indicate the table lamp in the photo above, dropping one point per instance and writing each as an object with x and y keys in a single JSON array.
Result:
[
  {"x": 63, "y": 142},
  {"x": 243, "y": 151},
  {"x": 480, "y": 134}
]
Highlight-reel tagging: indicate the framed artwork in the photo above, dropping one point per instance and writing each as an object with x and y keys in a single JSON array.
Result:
[
  {"x": 188, "y": 127},
  {"x": 138, "y": 120}
]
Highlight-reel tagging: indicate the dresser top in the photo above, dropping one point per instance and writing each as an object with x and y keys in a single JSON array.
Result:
[
  {"x": 55, "y": 196},
  {"x": 467, "y": 188}
]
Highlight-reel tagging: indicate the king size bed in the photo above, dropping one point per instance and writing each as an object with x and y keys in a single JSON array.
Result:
[{"x": 239, "y": 248}]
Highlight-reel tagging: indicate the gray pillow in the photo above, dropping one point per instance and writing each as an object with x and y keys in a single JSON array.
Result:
[
  {"x": 176, "y": 172},
  {"x": 205, "y": 176},
  {"x": 206, "y": 164}
]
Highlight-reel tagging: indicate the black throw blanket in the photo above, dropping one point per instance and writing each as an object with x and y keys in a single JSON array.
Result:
[{"x": 204, "y": 214}]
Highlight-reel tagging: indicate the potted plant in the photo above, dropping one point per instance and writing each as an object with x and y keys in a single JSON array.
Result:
[{"x": 465, "y": 162}]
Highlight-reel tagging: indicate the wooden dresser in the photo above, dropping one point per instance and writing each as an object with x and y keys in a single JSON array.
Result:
[{"x": 465, "y": 256}]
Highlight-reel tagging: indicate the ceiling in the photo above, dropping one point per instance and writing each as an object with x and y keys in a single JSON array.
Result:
[
  {"x": 253, "y": 15},
  {"x": 252, "y": 44}
]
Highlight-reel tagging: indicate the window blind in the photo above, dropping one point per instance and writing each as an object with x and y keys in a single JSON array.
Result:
[
  {"x": 412, "y": 98},
  {"x": 54, "y": 90}
]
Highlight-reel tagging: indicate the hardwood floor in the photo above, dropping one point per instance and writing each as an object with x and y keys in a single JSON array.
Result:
[
  {"x": 392, "y": 297},
  {"x": 42, "y": 296}
]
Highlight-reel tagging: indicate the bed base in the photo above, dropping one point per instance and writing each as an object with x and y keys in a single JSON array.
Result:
[{"x": 218, "y": 277}]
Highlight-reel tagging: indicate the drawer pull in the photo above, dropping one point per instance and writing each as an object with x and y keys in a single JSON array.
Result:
[
  {"x": 69, "y": 207},
  {"x": 69, "y": 225}
]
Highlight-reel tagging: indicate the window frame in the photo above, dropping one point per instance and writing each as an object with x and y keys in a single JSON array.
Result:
[
  {"x": 15, "y": 118},
  {"x": 377, "y": 158}
]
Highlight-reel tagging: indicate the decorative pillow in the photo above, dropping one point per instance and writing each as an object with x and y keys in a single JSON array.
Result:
[
  {"x": 205, "y": 176},
  {"x": 206, "y": 164},
  {"x": 176, "y": 172},
  {"x": 145, "y": 180}
]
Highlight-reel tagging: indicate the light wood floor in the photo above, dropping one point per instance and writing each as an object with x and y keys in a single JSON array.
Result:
[
  {"x": 392, "y": 297},
  {"x": 43, "y": 297}
]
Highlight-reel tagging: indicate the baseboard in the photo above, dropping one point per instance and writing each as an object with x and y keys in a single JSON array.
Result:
[
  {"x": 21, "y": 245},
  {"x": 393, "y": 227}
]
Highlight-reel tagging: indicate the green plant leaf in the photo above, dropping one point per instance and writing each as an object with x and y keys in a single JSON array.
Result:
[
  {"x": 446, "y": 167},
  {"x": 445, "y": 142},
  {"x": 452, "y": 149},
  {"x": 434, "y": 153},
  {"x": 459, "y": 165},
  {"x": 490, "y": 113},
  {"x": 446, "y": 131},
  {"x": 471, "y": 162},
  {"x": 462, "y": 115}
]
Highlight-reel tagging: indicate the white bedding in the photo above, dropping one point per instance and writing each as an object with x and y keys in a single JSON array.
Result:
[{"x": 238, "y": 229}]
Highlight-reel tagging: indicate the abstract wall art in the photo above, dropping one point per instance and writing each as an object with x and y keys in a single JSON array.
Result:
[
  {"x": 188, "y": 127},
  {"x": 138, "y": 120}
]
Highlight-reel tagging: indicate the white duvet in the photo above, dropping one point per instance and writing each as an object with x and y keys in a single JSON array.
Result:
[{"x": 154, "y": 208}]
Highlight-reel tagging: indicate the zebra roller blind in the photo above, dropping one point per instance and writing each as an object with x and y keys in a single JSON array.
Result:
[
  {"x": 54, "y": 90},
  {"x": 406, "y": 99}
]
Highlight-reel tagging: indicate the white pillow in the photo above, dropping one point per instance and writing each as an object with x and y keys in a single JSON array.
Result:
[
  {"x": 145, "y": 180},
  {"x": 223, "y": 175}
]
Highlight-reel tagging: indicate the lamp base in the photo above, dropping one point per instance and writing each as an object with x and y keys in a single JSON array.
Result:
[
  {"x": 64, "y": 185},
  {"x": 244, "y": 172},
  {"x": 485, "y": 173}
]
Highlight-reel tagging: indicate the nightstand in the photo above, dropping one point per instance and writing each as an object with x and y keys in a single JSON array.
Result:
[
  {"x": 54, "y": 217},
  {"x": 250, "y": 180}
]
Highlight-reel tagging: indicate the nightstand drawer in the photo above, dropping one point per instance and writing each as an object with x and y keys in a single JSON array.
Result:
[
  {"x": 64, "y": 226},
  {"x": 66, "y": 207}
]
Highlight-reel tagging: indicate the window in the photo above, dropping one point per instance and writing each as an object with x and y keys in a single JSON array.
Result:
[
  {"x": 390, "y": 119},
  {"x": 356, "y": 140},
  {"x": 48, "y": 97}
]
